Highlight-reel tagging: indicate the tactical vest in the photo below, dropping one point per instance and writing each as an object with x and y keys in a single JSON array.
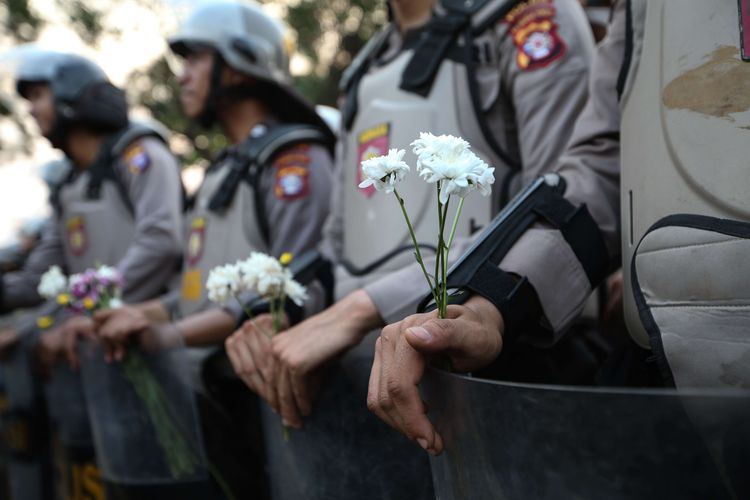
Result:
[
  {"x": 429, "y": 86},
  {"x": 94, "y": 207},
  {"x": 685, "y": 178},
  {"x": 220, "y": 230}
]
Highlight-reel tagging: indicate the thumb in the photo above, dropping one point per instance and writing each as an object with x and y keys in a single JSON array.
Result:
[{"x": 434, "y": 336}]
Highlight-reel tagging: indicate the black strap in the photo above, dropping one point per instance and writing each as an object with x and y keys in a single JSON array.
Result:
[
  {"x": 441, "y": 35},
  {"x": 581, "y": 232},
  {"x": 252, "y": 156},
  {"x": 627, "y": 59}
]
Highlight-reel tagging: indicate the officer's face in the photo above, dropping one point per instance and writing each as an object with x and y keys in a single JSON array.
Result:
[
  {"x": 42, "y": 106},
  {"x": 195, "y": 81}
]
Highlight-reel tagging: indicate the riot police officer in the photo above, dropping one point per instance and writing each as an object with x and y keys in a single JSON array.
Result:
[
  {"x": 509, "y": 77},
  {"x": 268, "y": 191},
  {"x": 123, "y": 177},
  {"x": 679, "y": 296}
]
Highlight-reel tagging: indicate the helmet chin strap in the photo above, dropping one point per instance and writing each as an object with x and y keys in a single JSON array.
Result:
[{"x": 209, "y": 112}]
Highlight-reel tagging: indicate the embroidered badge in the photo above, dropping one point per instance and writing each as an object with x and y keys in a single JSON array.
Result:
[
  {"x": 196, "y": 240},
  {"x": 292, "y": 174},
  {"x": 534, "y": 33},
  {"x": 371, "y": 143},
  {"x": 191, "y": 285},
  {"x": 137, "y": 159},
  {"x": 76, "y": 231}
]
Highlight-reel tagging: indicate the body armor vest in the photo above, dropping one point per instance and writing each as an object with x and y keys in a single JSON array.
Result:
[
  {"x": 389, "y": 115},
  {"x": 95, "y": 210},
  {"x": 685, "y": 207},
  {"x": 221, "y": 226}
]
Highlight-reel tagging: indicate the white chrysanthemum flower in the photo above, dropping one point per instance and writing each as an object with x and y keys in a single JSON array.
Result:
[
  {"x": 384, "y": 172},
  {"x": 53, "y": 283},
  {"x": 294, "y": 291},
  {"x": 115, "y": 303},
  {"x": 222, "y": 283},
  {"x": 448, "y": 160}
]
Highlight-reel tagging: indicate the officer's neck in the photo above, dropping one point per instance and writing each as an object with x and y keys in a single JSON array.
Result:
[
  {"x": 240, "y": 117},
  {"x": 410, "y": 14},
  {"x": 82, "y": 148}
]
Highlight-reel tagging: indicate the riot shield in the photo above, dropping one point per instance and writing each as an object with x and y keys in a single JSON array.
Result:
[
  {"x": 144, "y": 420},
  {"x": 518, "y": 441},
  {"x": 344, "y": 451},
  {"x": 76, "y": 472},
  {"x": 25, "y": 430}
]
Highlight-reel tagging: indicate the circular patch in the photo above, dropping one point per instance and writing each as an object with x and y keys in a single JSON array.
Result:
[
  {"x": 291, "y": 185},
  {"x": 539, "y": 45}
]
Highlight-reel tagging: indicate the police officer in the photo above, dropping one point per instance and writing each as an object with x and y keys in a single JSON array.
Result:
[
  {"x": 123, "y": 177},
  {"x": 506, "y": 76},
  {"x": 268, "y": 191},
  {"x": 676, "y": 275},
  {"x": 518, "y": 124}
]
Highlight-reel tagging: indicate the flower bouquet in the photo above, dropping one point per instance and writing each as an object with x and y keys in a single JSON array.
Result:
[
  {"x": 139, "y": 402},
  {"x": 449, "y": 163}
]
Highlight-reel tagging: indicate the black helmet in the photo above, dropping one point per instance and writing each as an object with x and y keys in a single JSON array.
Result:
[{"x": 82, "y": 94}]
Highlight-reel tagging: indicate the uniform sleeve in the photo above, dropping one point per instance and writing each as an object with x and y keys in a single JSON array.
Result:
[
  {"x": 19, "y": 288},
  {"x": 545, "y": 56},
  {"x": 591, "y": 168},
  {"x": 152, "y": 176}
]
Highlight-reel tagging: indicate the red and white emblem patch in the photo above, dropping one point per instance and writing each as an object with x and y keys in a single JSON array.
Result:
[
  {"x": 534, "y": 33},
  {"x": 371, "y": 143}
]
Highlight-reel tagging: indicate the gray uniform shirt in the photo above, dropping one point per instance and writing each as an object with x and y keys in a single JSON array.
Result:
[
  {"x": 152, "y": 256},
  {"x": 531, "y": 108}
]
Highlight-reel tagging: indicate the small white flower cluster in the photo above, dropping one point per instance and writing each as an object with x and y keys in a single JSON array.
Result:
[
  {"x": 53, "y": 283},
  {"x": 384, "y": 172},
  {"x": 445, "y": 159},
  {"x": 449, "y": 160},
  {"x": 259, "y": 273}
]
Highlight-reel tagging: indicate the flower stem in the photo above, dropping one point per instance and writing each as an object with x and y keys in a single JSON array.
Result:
[
  {"x": 455, "y": 223},
  {"x": 444, "y": 262},
  {"x": 439, "y": 254},
  {"x": 251, "y": 316},
  {"x": 433, "y": 288}
]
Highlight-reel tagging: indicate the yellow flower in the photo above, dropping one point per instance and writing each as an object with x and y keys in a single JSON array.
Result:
[
  {"x": 63, "y": 299},
  {"x": 285, "y": 258},
  {"x": 88, "y": 303},
  {"x": 44, "y": 322}
]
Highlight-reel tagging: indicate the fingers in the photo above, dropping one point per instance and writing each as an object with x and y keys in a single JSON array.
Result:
[
  {"x": 242, "y": 361},
  {"x": 259, "y": 346},
  {"x": 433, "y": 336},
  {"x": 393, "y": 393},
  {"x": 290, "y": 414}
]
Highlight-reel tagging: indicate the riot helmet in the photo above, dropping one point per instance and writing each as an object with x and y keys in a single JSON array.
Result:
[
  {"x": 249, "y": 41},
  {"x": 81, "y": 92}
]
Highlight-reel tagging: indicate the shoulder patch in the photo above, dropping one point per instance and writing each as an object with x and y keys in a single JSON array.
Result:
[
  {"x": 137, "y": 159},
  {"x": 534, "y": 32},
  {"x": 292, "y": 173}
]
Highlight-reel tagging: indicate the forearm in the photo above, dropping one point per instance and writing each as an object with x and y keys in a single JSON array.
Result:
[
  {"x": 208, "y": 327},
  {"x": 154, "y": 310}
]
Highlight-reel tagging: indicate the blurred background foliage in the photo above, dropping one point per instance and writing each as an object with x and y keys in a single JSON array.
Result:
[{"x": 328, "y": 35}]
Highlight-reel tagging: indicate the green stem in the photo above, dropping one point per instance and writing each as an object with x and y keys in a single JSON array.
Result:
[
  {"x": 418, "y": 253},
  {"x": 250, "y": 315},
  {"x": 444, "y": 262},
  {"x": 439, "y": 253},
  {"x": 455, "y": 223}
]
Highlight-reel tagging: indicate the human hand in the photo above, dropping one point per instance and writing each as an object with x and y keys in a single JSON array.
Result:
[{"x": 470, "y": 336}]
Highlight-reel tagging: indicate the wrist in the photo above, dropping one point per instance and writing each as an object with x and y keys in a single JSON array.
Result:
[{"x": 360, "y": 314}]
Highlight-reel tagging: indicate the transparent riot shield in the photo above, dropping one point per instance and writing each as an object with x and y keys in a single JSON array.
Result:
[
  {"x": 24, "y": 426},
  {"x": 521, "y": 441},
  {"x": 76, "y": 472},
  {"x": 144, "y": 420},
  {"x": 344, "y": 451}
]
